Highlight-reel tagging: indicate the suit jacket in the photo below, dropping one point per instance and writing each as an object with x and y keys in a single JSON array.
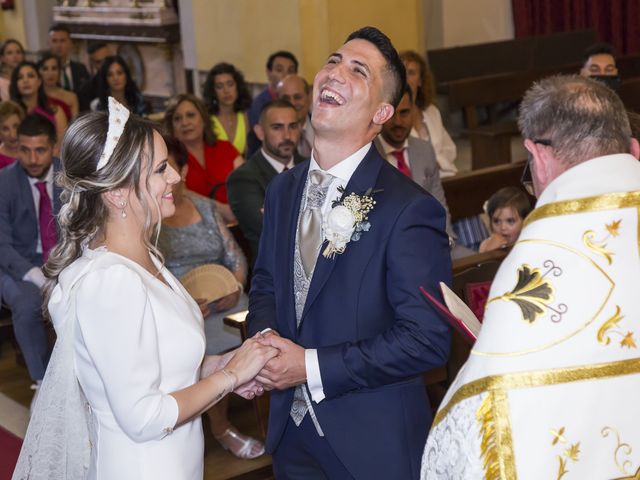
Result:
[
  {"x": 373, "y": 331},
  {"x": 246, "y": 188},
  {"x": 18, "y": 221},
  {"x": 80, "y": 75},
  {"x": 425, "y": 171}
]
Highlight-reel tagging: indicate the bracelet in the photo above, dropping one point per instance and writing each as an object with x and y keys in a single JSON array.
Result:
[{"x": 232, "y": 378}]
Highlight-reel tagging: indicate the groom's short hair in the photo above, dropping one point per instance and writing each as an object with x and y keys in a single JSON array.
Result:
[{"x": 395, "y": 76}]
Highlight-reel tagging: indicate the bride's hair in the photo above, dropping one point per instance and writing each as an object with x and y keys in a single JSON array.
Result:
[{"x": 83, "y": 212}]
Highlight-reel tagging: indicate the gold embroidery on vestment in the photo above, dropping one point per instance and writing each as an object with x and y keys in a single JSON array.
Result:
[
  {"x": 621, "y": 447},
  {"x": 538, "y": 378}
]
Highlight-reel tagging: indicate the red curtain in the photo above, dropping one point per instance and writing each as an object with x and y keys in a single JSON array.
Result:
[{"x": 615, "y": 21}]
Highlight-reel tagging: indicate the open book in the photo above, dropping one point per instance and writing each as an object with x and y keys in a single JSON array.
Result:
[{"x": 456, "y": 312}]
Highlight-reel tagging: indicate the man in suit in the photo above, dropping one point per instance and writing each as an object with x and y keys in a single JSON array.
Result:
[
  {"x": 295, "y": 89},
  {"x": 354, "y": 332},
  {"x": 279, "y": 65},
  {"x": 98, "y": 51},
  {"x": 28, "y": 202},
  {"x": 73, "y": 75},
  {"x": 412, "y": 156},
  {"x": 278, "y": 130}
]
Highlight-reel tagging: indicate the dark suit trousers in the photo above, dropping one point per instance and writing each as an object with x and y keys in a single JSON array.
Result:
[
  {"x": 302, "y": 454},
  {"x": 25, "y": 301}
]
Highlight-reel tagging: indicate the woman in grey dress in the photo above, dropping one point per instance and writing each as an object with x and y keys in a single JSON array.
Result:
[{"x": 196, "y": 235}]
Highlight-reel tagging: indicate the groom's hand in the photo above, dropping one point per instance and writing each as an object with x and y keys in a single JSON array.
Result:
[{"x": 285, "y": 370}]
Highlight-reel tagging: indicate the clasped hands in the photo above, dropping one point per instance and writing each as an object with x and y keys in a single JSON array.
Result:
[{"x": 263, "y": 362}]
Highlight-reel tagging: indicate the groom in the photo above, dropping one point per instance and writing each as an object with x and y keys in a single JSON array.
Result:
[{"x": 355, "y": 335}]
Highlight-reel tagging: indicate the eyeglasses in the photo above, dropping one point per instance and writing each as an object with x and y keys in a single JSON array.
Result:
[{"x": 526, "y": 179}]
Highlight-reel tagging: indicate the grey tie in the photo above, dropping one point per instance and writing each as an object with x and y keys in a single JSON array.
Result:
[{"x": 311, "y": 221}]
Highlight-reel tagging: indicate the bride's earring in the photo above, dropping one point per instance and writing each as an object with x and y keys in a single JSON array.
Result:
[{"x": 123, "y": 205}]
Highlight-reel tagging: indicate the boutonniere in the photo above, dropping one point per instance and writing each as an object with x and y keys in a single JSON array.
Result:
[{"x": 346, "y": 221}]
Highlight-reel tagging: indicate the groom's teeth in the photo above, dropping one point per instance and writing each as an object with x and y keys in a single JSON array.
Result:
[{"x": 328, "y": 95}]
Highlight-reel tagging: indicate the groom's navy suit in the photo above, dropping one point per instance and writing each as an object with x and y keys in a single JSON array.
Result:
[{"x": 373, "y": 331}]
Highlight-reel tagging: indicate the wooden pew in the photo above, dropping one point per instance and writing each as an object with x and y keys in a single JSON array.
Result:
[
  {"x": 508, "y": 56},
  {"x": 467, "y": 192}
]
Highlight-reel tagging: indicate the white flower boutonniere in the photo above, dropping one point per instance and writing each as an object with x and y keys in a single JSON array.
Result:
[{"x": 346, "y": 221}]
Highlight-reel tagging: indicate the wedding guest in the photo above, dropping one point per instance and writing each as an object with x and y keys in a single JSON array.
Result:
[
  {"x": 73, "y": 74},
  {"x": 27, "y": 90},
  {"x": 114, "y": 79},
  {"x": 49, "y": 68},
  {"x": 98, "y": 52},
  {"x": 210, "y": 160},
  {"x": 11, "y": 114},
  {"x": 133, "y": 335},
  {"x": 295, "y": 90},
  {"x": 428, "y": 121},
  {"x": 507, "y": 209},
  {"x": 11, "y": 55},
  {"x": 197, "y": 235},
  {"x": 227, "y": 98},
  {"x": 29, "y": 203},
  {"x": 279, "y": 65}
]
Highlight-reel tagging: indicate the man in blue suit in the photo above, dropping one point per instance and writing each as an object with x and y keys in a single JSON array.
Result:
[
  {"x": 28, "y": 202},
  {"x": 355, "y": 335}
]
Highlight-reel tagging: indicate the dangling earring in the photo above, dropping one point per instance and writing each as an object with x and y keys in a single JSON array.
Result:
[{"x": 123, "y": 206}]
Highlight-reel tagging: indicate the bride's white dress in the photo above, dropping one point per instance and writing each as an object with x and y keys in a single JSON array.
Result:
[{"x": 136, "y": 340}]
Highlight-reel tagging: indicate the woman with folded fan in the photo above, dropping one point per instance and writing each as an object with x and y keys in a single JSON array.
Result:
[{"x": 196, "y": 235}]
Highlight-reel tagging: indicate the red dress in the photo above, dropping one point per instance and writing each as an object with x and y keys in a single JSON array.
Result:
[{"x": 218, "y": 161}]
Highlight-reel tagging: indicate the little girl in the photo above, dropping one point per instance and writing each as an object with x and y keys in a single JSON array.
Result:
[{"x": 507, "y": 209}]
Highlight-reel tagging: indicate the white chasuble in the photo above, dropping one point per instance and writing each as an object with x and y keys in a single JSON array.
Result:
[{"x": 551, "y": 389}]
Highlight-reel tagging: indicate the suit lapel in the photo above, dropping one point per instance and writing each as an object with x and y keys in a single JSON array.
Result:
[
  {"x": 363, "y": 178},
  {"x": 298, "y": 180}
]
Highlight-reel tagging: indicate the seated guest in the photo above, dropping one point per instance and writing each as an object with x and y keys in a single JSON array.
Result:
[
  {"x": 227, "y": 98},
  {"x": 278, "y": 130},
  {"x": 507, "y": 209},
  {"x": 279, "y": 65},
  {"x": 600, "y": 64},
  {"x": 27, "y": 90},
  {"x": 11, "y": 55},
  {"x": 73, "y": 75},
  {"x": 11, "y": 114},
  {"x": 412, "y": 156},
  {"x": 210, "y": 160},
  {"x": 114, "y": 80},
  {"x": 49, "y": 68},
  {"x": 29, "y": 201},
  {"x": 197, "y": 235},
  {"x": 428, "y": 121},
  {"x": 295, "y": 89},
  {"x": 98, "y": 52}
]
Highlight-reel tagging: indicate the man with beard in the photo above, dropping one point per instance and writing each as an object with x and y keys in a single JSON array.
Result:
[
  {"x": 279, "y": 131},
  {"x": 295, "y": 89},
  {"x": 28, "y": 202},
  {"x": 410, "y": 155}
]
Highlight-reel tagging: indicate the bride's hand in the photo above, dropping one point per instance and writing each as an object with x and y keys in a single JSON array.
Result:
[{"x": 249, "y": 359}]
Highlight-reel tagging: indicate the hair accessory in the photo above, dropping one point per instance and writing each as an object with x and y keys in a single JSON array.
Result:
[{"x": 118, "y": 116}]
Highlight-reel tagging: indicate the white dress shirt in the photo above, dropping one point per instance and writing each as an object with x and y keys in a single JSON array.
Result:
[
  {"x": 277, "y": 165},
  {"x": 388, "y": 151},
  {"x": 342, "y": 173}
]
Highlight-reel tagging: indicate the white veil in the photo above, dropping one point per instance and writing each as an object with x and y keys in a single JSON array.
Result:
[{"x": 57, "y": 445}]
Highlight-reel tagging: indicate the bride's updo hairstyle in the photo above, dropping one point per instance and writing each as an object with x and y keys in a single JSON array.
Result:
[{"x": 83, "y": 212}]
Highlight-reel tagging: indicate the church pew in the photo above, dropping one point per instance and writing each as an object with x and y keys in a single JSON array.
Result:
[{"x": 466, "y": 192}]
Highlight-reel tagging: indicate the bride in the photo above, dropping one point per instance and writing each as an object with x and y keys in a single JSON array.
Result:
[{"x": 122, "y": 396}]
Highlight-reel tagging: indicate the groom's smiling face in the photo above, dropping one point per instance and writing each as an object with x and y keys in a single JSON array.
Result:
[{"x": 348, "y": 90}]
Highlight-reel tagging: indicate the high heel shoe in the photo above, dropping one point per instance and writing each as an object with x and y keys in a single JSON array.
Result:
[{"x": 245, "y": 446}]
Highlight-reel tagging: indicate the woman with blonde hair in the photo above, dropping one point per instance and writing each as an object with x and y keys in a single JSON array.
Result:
[
  {"x": 427, "y": 119},
  {"x": 124, "y": 390}
]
